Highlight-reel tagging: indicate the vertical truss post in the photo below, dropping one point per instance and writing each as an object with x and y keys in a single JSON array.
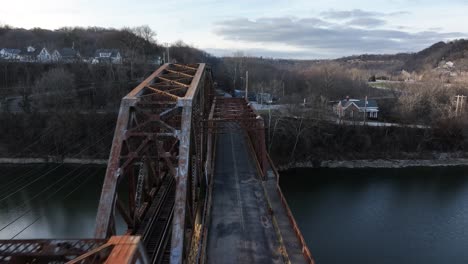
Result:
[
  {"x": 178, "y": 226},
  {"x": 104, "y": 219},
  {"x": 181, "y": 203}
]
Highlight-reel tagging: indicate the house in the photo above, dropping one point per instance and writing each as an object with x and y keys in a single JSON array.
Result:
[
  {"x": 241, "y": 94},
  {"x": 156, "y": 60},
  {"x": 66, "y": 55},
  {"x": 10, "y": 54},
  {"x": 44, "y": 56},
  {"x": 264, "y": 98},
  {"x": 356, "y": 108},
  {"x": 107, "y": 56},
  {"x": 31, "y": 54}
]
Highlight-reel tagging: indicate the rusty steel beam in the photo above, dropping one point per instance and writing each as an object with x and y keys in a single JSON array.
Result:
[
  {"x": 178, "y": 226},
  {"x": 162, "y": 126},
  {"x": 227, "y": 111},
  {"x": 45, "y": 251},
  {"x": 118, "y": 249}
]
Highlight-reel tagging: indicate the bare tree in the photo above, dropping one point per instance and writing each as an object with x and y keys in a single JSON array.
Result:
[
  {"x": 146, "y": 33},
  {"x": 54, "y": 90}
]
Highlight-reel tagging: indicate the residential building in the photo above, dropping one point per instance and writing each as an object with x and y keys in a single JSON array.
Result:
[
  {"x": 264, "y": 98},
  {"x": 356, "y": 108},
  {"x": 241, "y": 94},
  {"x": 107, "y": 56},
  {"x": 10, "y": 54},
  {"x": 67, "y": 55},
  {"x": 44, "y": 56},
  {"x": 31, "y": 54}
]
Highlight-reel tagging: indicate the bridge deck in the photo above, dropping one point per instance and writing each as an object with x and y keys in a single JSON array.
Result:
[{"x": 241, "y": 228}]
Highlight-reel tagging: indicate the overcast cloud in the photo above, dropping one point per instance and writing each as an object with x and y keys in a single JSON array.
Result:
[
  {"x": 302, "y": 29},
  {"x": 334, "y": 32}
]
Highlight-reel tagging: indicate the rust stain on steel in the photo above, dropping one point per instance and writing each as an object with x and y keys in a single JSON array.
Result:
[
  {"x": 118, "y": 249},
  {"x": 108, "y": 194},
  {"x": 238, "y": 110},
  {"x": 305, "y": 249},
  {"x": 45, "y": 250},
  {"x": 156, "y": 120},
  {"x": 148, "y": 81},
  {"x": 178, "y": 226}
]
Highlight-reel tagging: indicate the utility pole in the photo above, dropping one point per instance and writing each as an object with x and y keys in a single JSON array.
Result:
[
  {"x": 261, "y": 97},
  {"x": 283, "y": 88},
  {"x": 235, "y": 76},
  {"x": 365, "y": 109},
  {"x": 168, "y": 56},
  {"x": 247, "y": 85},
  {"x": 459, "y": 105},
  {"x": 462, "y": 99}
]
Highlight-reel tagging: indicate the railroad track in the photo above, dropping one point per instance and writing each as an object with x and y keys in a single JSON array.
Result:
[{"x": 156, "y": 228}]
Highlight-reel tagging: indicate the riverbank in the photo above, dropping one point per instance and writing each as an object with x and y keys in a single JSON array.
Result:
[
  {"x": 378, "y": 163},
  {"x": 53, "y": 159}
]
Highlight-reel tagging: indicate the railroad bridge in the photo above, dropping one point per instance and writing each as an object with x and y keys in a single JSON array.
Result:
[{"x": 189, "y": 174}]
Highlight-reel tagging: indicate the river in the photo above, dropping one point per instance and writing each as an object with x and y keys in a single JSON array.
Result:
[
  {"x": 411, "y": 215},
  {"x": 49, "y": 201}
]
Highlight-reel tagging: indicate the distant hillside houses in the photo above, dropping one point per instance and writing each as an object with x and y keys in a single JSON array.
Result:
[
  {"x": 65, "y": 55},
  {"x": 356, "y": 108},
  {"x": 10, "y": 54},
  {"x": 107, "y": 56}
]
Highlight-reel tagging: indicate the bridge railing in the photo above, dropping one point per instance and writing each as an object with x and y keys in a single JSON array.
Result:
[{"x": 297, "y": 231}]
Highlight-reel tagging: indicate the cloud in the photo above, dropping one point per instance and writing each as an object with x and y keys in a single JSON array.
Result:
[
  {"x": 317, "y": 35},
  {"x": 267, "y": 53},
  {"x": 367, "y": 22},
  {"x": 334, "y": 14},
  {"x": 357, "y": 13}
]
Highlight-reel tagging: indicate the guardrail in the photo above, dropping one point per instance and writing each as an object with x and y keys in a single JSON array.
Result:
[{"x": 305, "y": 250}]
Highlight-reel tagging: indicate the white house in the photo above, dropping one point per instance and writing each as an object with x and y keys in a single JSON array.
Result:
[
  {"x": 44, "y": 56},
  {"x": 107, "y": 56},
  {"x": 10, "y": 54},
  {"x": 31, "y": 54}
]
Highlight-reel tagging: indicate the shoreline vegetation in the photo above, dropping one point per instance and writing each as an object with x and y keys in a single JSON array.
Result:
[
  {"x": 442, "y": 160},
  {"x": 375, "y": 164},
  {"x": 52, "y": 160}
]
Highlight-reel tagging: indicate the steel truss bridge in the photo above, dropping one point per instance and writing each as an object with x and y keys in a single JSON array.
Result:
[{"x": 189, "y": 174}]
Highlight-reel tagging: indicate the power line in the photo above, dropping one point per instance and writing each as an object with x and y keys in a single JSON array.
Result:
[
  {"x": 29, "y": 173},
  {"x": 30, "y": 145},
  {"x": 48, "y": 197},
  {"x": 48, "y": 172},
  {"x": 65, "y": 197},
  {"x": 27, "y": 211},
  {"x": 78, "y": 84}
]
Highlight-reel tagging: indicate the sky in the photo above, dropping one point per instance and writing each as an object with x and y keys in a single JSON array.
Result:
[{"x": 298, "y": 29}]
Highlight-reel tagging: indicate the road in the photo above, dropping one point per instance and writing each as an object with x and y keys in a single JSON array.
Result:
[{"x": 241, "y": 229}]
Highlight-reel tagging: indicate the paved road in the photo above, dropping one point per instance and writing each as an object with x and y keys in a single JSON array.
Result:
[{"x": 241, "y": 229}]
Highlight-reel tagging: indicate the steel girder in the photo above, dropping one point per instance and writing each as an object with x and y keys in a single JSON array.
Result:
[
  {"x": 237, "y": 113},
  {"x": 159, "y": 133},
  {"x": 44, "y": 250}
]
